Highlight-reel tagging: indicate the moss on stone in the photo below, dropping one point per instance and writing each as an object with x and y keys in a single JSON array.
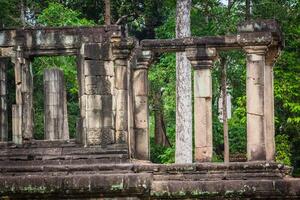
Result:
[{"x": 116, "y": 187}]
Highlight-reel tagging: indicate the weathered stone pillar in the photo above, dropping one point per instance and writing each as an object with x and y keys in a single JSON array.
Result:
[
  {"x": 141, "y": 111},
  {"x": 121, "y": 52},
  {"x": 256, "y": 149},
  {"x": 202, "y": 60},
  {"x": 23, "y": 110},
  {"x": 96, "y": 80},
  {"x": 269, "y": 126},
  {"x": 55, "y": 105},
  {"x": 3, "y": 103}
]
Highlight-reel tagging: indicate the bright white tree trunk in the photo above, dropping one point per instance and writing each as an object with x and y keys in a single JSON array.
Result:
[{"x": 184, "y": 143}]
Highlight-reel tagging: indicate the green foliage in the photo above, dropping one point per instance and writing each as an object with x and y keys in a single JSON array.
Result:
[
  {"x": 58, "y": 15},
  {"x": 162, "y": 78},
  {"x": 283, "y": 149},
  {"x": 237, "y": 128},
  {"x": 9, "y": 15}
]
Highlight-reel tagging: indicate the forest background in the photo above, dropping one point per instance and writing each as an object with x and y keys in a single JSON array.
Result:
[{"x": 146, "y": 19}]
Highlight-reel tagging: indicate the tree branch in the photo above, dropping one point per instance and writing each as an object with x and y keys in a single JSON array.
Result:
[{"x": 120, "y": 20}]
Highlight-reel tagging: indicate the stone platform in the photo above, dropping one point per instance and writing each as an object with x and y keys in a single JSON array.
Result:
[{"x": 38, "y": 171}]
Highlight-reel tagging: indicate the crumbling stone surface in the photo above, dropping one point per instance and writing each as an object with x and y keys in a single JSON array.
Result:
[{"x": 92, "y": 178}]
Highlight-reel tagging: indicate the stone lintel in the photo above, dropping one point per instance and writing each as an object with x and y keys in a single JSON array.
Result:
[
  {"x": 263, "y": 25},
  {"x": 201, "y": 57},
  {"x": 175, "y": 45},
  {"x": 144, "y": 59},
  {"x": 258, "y": 26},
  {"x": 55, "y": 37},
  {"x": 121, "y": 48}
]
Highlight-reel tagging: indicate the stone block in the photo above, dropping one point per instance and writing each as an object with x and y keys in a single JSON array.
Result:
[
  {"x": 91, "y": 51},
  {"x": 121, "y": 78},
  {"x": 93, "y": 136},
  {"x": 201, "y": 123},
  {"x": 98, "y": 119},
  {"x": 121, "y": 100},
  {"x": 141, "y": 112},
  {"x": 255, "y": 137},
  {"x": 102, "y": 136},
  {"x": 99, "y": 102},
  {"x": 95, "y": 51},
  {"x": 202, "y": 83},
  {"x": 140, "y": 82},
  {"x": 99, "y": 85},
  {"x": 3, "y": 120},
  {"x": 18, "y": 72},
  {"x": 121, "y": 120},
  {"x": 19, "y": 95},
  {"x": 2, "y": 70},
  {"x": 3, "y": 104},
  {"x": 121, "y": 63},
  {"x": 51, "y": 86},
  {"x": 82, "y": 104},
  {"x": 17, "y": 124},
  {"x": 2, "y": 88},
  {"x": 98, "y": 68},
  {"x": 203, "y": 129},
  {"x": 203, "y": 154},
  {"x": 52, "y": 99},
  {"x": 142, "y": 144},
  {"x": 121, "y": 137}
]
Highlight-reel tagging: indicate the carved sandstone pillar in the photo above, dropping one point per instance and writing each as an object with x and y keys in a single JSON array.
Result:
[
  {"x": 3, "y": 103},
  {"x": 121, "y": 52},
  {"x": 202, "y": 60},
  {"x": 55, "y": 102},
  {"x": 96, "y": 80},
  {"x": 256, "y": 149},
  {"x": 141, "y": 111},
  {"x": 22, "y": 110},
  {"x": 269, "y": 126}
]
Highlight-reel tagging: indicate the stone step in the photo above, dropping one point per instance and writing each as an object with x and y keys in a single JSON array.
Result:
[
  {"x": 111, "y": 183},
  {"x": 172, "y": 172}
]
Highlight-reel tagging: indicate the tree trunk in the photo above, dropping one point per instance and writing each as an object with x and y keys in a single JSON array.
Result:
[
  {"x": 22, "y": 13},
  {"x": 248, "y": 9},
  {"x": 160, "y": 129},
  {"x": 184, "y": 143},
  {"x": 107, "y": 12},
  {"x": 224, "y": 108}
]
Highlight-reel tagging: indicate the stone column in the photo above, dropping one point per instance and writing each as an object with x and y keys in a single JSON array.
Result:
[
  {"x": 3, "y": 103},
  {"x": 202, "y": 60},
  {"x": 121, "y": 52},
  {"x": 141, "y": 110},
  {"x": 256, "y": 149},
  {"x": 55, "y": 105},
  {"x": 269, "y": 126},
  {"x": 96, "y": 80},
  {"x": 23, "y": 110}
]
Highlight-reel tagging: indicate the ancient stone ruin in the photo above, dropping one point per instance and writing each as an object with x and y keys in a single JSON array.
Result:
[{"x": 110, "y": 155}]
